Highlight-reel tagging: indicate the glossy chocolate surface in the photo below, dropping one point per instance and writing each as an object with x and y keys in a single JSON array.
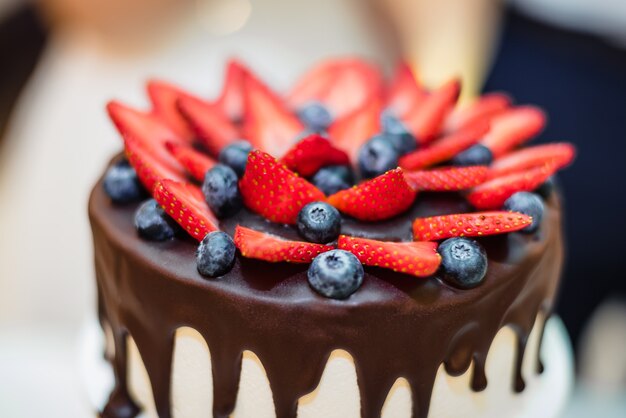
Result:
[{"x": 394, "y": 326}]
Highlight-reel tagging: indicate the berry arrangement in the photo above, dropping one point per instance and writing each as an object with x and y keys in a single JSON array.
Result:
[{"x": 344, "y": 142}]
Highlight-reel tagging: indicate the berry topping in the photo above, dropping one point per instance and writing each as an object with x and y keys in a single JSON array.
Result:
[
  {"x": 463, "y": 262},
  {"x": 121, "y": 183},
  {"x": 475, "y": 155},
  {"x": 557, "y": 155},
  {"x": 333, "y": 178},
  {"x": 512, "y": 128},
  {"x": 164, "y": 98},
  {"x": 221, "y": 192},
  {"x": 216, "y": 254},
  {"x": 485, "y": 108},
  {"x": 426, "y": 120},
  {"x": 444, "y": 148},
  {"x": 185, "y": 203},
  {"x": 405, "y": 92},
  {"x": 417, "y": 258},
  {"x": 379, "y": 198},
  {"x": 196, "y": 163},
  {"x": 319, "y": 222},
  {"x": 468, "y": 225},
  {"x": 268, "y": 124},
  {"x": 546, "y": 189},
  {"x": 353, "y": 130},
  {"x": 335, "y": 274},
  {"x": 153, "y": 223},
  {"x": 315, "y": 116},
  {"x": 529, "y": 204},
  {"x": 231, "y": 99},
  {"x": 256, "y": 244},
  {"x": 311, "y": 153},
  {"x": 493, "y": 193},
  {"x": 447, "y": 179},
  {"x": 377, "y": 156},
  {"x": 235, "y": 156},
  {"x": 211, "y": 125},
  {"x": 274, "y": 191}
]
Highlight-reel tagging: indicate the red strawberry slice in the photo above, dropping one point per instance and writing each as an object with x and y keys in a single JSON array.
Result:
[
  {"x": 353, "y": 130},
  {"x": 268, "y": 124},
  {"x": 164, "y": 97},
  {"x": 405, "y": 92},
  {"x": 379, "y": 198},
  {"x": 512, "y": 128},
  {"x": 485, "y": 108},
  {"x": 469, "y": 225},
  {"x": 185, "y": 203},
  {"x": 196, "y": 163},
  {"x": 444, "y": 148},
  {"x": 255, "y": 244},
  {"x": 342, "y": 85},
  {"x": 144, "y": 143},
  {"x": 313, "y": 153},
  {"x": 492, "y": 194},
  {"x": 230, "y": 100},
  {"x": 426, "y": 120},
  {"x": 558, "y": 155},
  {"x": 417, "y": 258},
  {"x": 447, "y": 179},
  {"x": 212, "y": 127},
  {"x": 274, "y": 191}
]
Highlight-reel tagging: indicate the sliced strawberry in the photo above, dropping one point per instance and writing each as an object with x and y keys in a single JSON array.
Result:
[
  {"x": 268, "y": 124},
  {"x": 469, "y": 225},
  {"x": 444, "y": 148},
  {"x": 353, "y": 130},
  {"x": 485, "y": 108},
  {"x": 492, "y": 194},
  {"x": 196, "y": 163},
  {"x": 274, "y": 191},
  {"x": 426, "y": 120},
  {"x": 164, "y": 97},
  {"x": 255, "y": 244},
  {"x": 342, "y": 85},
  {"x": 313, "y": 153},
  {"x": 558, "y": 155},
  {"x": 379, "y": 198},
  {"x": 230, "y": 100},
  {"x": 512, "y": 128},
  {"x": 417, "y": 258},
  {"x": 405, "y": 92},
  {"x": 212, "y": 127},
  {"x": 447, "y": 179},
  {"x": 185, "y": 203},
  {"x": 150, "y": 165},
  {"x": 145, "y": 127}
]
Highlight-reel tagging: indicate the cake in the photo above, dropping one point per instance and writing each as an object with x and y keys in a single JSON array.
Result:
[{"x": 359, "y": 247}]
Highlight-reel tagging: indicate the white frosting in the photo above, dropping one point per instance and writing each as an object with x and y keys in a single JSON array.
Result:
[{"x": 337, "y": 394}]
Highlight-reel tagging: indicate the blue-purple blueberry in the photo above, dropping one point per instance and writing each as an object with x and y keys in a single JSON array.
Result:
[
  {"x": 152, "y": 223},
  {"x": 215, "y": 255},
  {"x": 319, "y": 222},
  {"x": 529, "y": 204},
  {"x": 463, "y": 262},
  {"x": 335, "y": 274}
]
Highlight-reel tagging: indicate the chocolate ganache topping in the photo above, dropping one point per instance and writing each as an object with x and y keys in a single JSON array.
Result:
[{"x": 394, "y": 326}]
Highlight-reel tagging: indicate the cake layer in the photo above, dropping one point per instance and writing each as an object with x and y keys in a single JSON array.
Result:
[{"x": 395, "y": 326}]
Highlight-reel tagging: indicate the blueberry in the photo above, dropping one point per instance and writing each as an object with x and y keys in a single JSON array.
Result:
[
  {"x": 121, "y": 183},
  {"x": 216, "y": 254},
  {"x": 315, "y": 116},
  {"x": 319, "y": 222},
  {"x": 391, "y": 124},
  {"x": 153, "y": 223},
  {"x": 475, "y": 155},
  {"x": 546, "y": 189},
  {"x": 463, "y": 262},
  {"x": 221, "y": 191},
  {"x": 529, "y": 204},
  {"x": 235, "y": 156},
  {"x": 333, "y": 178},
  {"x": 377, "y": 156},
  {"x": 403, "y": 140},
  {"x": 335, "y": 274}
]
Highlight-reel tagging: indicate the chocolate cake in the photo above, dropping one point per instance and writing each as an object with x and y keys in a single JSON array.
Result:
[{"x": 310, "y": 296}]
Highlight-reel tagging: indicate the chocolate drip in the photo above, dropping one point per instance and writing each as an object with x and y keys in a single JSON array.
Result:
[{"x": 394, "y": 326}]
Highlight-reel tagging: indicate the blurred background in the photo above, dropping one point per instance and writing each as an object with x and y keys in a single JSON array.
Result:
[{"x": 61, "y": 60}]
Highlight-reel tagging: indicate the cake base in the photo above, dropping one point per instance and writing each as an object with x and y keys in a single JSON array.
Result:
[{"x": 544, "y": 396}]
